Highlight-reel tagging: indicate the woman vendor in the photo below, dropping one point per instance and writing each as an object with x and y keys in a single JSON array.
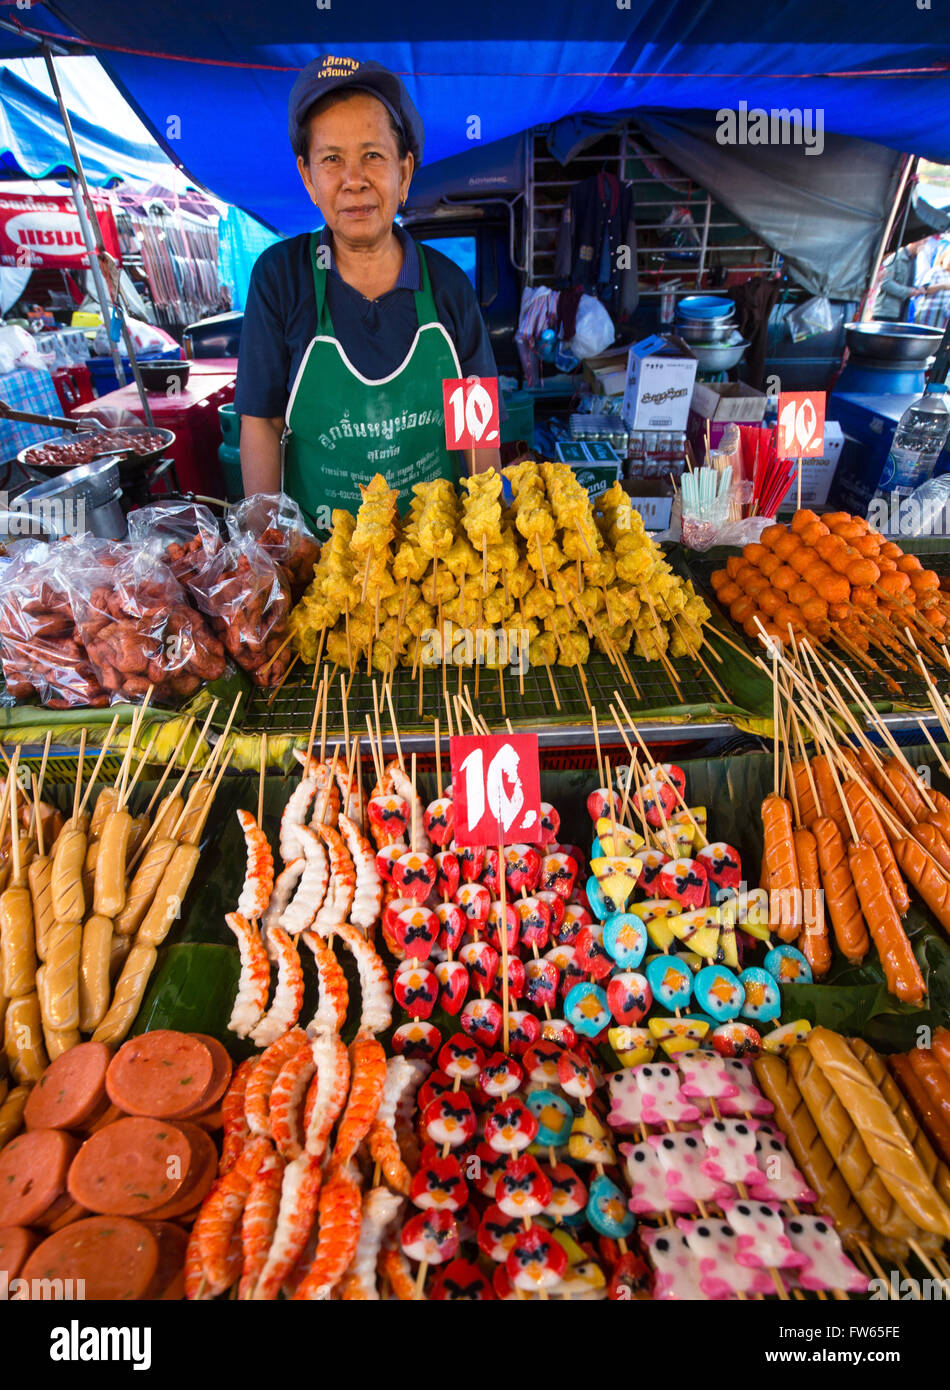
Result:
[{"x": 348, "y": 333}]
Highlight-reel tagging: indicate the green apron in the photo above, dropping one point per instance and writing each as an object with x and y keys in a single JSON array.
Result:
[{"x": 342, "y": 428}]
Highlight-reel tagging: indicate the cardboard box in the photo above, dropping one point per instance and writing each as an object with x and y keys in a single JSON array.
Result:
[
  {"x": 596, "y": 464},
  {"x": 818, "y": 474},
  {"x": 606, "y": 373},
  {"x": 653, "y": 499},
  {"x": 728, "y": 400},
  {"x": 661, "y": 372}
]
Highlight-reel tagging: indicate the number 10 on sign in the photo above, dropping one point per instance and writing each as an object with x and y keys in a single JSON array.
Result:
[
  {"x": 497, "y": 788},
  {"x": 471, "y": 412}
]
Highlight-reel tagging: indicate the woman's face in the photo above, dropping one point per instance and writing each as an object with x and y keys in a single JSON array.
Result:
[{"x": 354, "y": 173}]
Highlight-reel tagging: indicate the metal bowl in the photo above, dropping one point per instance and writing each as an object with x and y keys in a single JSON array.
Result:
[
  {"x": 705, "y": 331},
  {"x": 157, "y": 377},
  {"x": 719, "y": 357},
  {"x": 894, "y": 342}
]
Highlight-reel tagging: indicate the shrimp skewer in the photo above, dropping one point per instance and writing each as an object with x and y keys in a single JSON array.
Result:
[
  {"x": 342, "y": 879},
  {"x": 254, "y": 982},
  {"x": 383, "y": 1145},
  {"x": 284, "y": 885},
  {"x": 405, "y": 1115},
  {"x": 259, "y": 1221},
  {"x": 377, "y": 997},
  {"x": 233, "y": 1121},
  {"x": 217, "y": 1224},
  {"x": 354, "y": 808},
  {"x": 368, "y": 1070},
  {"x": 380, "y": 1209},
  {"x": 328, "y": 1090},
  {"x": 326, "y": 802},
  {"x": 368, "y": 895},
  {"x": 334, "y": 990},
  {"x": 259, "y": 875},
  {"x": 394, "y": 1266},
  {"x": 288, "y": 996},
  {"x": 269, "y": 1064},
  {"x": 196, "y": 1285},
  {"x": 295, "y": 814},
  {"x": 288, "y": 1091},
  {"x": 339, "y": 1210},
  {"x": 299, "y": 1193},
  {"x": 312, "y": 887}
]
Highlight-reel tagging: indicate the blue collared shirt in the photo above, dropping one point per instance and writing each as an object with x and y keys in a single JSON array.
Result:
[{"x": 281, "y": 319}]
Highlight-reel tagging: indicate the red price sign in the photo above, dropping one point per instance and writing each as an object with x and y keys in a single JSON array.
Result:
[
  {"x": 496, "y": 783},
  {"x": 801, "y": 424},
  {"x": 471, "y": 412}
]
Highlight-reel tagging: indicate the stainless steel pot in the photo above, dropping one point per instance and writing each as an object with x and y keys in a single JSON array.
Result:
[
  {"x": 894, "y": 342},
  {"x": 705, "y": 330},
  {"x": 86, "y": 499}
]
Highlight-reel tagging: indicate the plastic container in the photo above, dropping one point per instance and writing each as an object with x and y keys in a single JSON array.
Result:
[{"x": 918, "y": 441}]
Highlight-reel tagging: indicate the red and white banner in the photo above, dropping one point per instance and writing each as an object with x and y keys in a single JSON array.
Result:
[{"x": 46, "y": 232}]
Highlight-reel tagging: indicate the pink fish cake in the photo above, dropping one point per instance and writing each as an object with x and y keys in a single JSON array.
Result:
[
  {"x": 730, "y": 1150},
  {"x": 714, "y": 1245},
  {"x": 762, "y": 1242},
  {"x": 749, "y": 1100},
  {"x": 626, "y": 1101},
  {"x": 647, "y": 1178},
  {"x": 778, "y": 1180},
  {"x": 681, "y": 1156},
  {"x": 677, "y": 1269},
  {"x": 659, "y": 1086},
  {"x": 827, "y": 1267},
  {"x": 705, "y": 1077}
]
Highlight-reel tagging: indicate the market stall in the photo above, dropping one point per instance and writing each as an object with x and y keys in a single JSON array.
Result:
[{"x": 367, "y": 931}]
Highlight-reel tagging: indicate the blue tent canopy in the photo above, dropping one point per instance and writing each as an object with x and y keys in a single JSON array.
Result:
[
  {"x": 33, "y": 143},
  {"x": 212, "y": 81}
]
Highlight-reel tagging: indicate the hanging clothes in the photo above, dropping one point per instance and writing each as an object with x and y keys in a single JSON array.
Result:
[{"x": 597, "y": 242}]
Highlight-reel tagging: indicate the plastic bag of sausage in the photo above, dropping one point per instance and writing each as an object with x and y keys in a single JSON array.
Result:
[
  {"x": 41, "y": 652},
  {"x": 247, "y": 599},
  {"x": 185, "y": 535},
  {"x": 276, "y": 522},
  {"x": 138, "y": 628}
]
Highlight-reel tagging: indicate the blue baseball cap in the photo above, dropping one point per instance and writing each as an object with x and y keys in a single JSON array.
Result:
[{"x": 332, "y": 74}]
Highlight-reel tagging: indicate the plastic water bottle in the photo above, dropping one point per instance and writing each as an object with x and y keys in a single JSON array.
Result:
[{"x": 918, "y": 440}]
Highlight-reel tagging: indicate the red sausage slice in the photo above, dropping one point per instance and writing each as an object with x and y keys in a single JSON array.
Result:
[
  {"x": 131, "y": 1167},
  {"x": 115, "y": 1258},
  {"x": 16, "y": 1242},
  {"x": 220, "y": 1077},
  {"x": 72, "y": 1087},
  {"x": 33, "y": 1170},
  {"x": 201, "y": 1174},
  {"x": 168, "y": 1282},
  {"x": 162, "y": 1074}
]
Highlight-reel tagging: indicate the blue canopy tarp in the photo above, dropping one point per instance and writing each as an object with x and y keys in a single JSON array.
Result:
[
  {"x": 33, "y": 143},
  {"x": 212, "y": 80}
]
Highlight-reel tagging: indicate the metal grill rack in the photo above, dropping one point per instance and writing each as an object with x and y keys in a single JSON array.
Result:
[{"x": 292, "y": 709}]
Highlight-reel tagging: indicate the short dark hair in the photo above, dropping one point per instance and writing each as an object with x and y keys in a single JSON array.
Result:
[{"x": 302, "y": 141}]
